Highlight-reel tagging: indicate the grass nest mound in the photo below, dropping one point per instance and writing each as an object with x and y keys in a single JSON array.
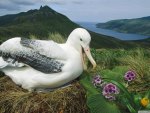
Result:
[{"x": 14, "y": 99}]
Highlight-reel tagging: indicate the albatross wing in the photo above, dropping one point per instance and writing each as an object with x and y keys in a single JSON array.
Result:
[
  {"x": 47, "y": 48},
  {"x": 44, "y": 56}
]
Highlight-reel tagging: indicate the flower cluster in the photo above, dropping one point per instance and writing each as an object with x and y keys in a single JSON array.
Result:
[
  {"x": 97, "y": 81},
  {"x": 109, "y": 91},
  {"x": 130, "y": 76}
]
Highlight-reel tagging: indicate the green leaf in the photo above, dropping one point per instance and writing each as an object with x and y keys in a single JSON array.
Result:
[
  {"x": 98, "y": 104},
  {"x": 147, "y": 95},
  {"x": 95, "y": 101},
  {"x": 137, "y": 98},
  {"x": 85, "y": 81},
  {"x": 148, "y": 107},
  {"x": 127, "y": 103},
  {"x": 116, "y": 73}
]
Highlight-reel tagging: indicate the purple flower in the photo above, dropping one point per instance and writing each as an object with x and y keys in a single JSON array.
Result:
[
  {"x": 110, "y": 97},
  {"x": 109, "y": 91},
  {"x": 97, "y": 81},
  {"x": 130, "y": 75}
]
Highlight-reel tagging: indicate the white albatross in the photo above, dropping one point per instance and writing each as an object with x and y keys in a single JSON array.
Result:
[{"x": 35, "y": 64}]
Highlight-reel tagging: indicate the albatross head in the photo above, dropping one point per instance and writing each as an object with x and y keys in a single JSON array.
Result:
[{"x": 80, "y": 38}]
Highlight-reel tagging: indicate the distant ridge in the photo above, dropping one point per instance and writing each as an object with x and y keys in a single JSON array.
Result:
[
  {"x": 23, "y": 16},
  {"x": 137, "y": 25}
]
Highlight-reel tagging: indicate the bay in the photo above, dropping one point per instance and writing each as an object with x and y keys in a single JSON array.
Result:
[{"x": 122, "y": 36}]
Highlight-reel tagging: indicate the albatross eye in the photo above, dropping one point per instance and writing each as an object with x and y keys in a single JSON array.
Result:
[{"x": 81, "y": 39}]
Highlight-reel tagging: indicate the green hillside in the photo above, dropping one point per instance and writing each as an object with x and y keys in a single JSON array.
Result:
[
  {"x": 36, "y": 22},
  {"x": 145, "y": 42},
  {"x": 45, "y": 21},
  {"x": 138, "y": 25}
]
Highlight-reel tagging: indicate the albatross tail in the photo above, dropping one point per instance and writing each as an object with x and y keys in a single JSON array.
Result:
[
  {"x": 10, "y": 62},
  {"x": 2, "y": 63}
]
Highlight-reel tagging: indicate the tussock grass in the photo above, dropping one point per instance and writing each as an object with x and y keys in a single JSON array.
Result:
[
  {"x": 56, "y": 37},
  {"x": 108, "y": 58},
  {"x": 138, "y": 60},
  {"x": 33, "y": 36},
  {"x": 135, "y": 59},
  {"x": 14, "y": 99}
]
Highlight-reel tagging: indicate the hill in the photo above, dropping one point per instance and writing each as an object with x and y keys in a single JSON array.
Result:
[
  {"x": 37, "y": 22},
  {"x": 145, "y": 42},
  {"x": 138, "y": 25},
  {"x": 44, "y": 21}
]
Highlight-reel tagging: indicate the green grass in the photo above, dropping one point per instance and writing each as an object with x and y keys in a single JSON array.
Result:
[
  {"x": 113, "y": 64},
  {"x": 56, "y": 37},
  {"x": 135, "y": 59}
]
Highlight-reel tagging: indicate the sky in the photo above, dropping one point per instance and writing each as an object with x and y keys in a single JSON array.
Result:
[{"x": 83, "y": 10}]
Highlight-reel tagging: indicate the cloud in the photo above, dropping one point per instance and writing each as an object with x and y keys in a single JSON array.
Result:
[
  {"x": 105, "y": 10},
  {"x": 63, "y": 2},
  {"x": 25, "y": 2},
  {"x": 14, "y": 4},
  {"x": 19, "y": 4},
  {"x": 7, "y": 5},
  {"x": 77, "y": 2},
  {"x": 83, "y": 10}
]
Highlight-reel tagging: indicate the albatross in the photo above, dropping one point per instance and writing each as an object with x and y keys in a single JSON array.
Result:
[{"x": 35, "y": 64}]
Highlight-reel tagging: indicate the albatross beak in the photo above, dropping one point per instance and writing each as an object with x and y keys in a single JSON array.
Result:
[{"x": 88, "y": 53}]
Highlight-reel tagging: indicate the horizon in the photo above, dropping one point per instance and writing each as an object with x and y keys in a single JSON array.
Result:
[{"x": 82, "y": 11}]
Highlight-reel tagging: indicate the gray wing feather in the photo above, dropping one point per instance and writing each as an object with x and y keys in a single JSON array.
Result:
[
  {"x": 33, "y": 58},
  {"x": 46, "y": 48}
]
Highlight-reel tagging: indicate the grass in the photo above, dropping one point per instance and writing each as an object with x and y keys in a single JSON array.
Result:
[
  {"x": 138, "y": 60},
  {"x": 112, "y": 62},
  {"x": 56, "y": 37},
  {"x": 14, "y": 99}
]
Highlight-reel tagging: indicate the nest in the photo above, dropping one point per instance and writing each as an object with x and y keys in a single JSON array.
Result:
[{"x": 14, "y": 99}]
